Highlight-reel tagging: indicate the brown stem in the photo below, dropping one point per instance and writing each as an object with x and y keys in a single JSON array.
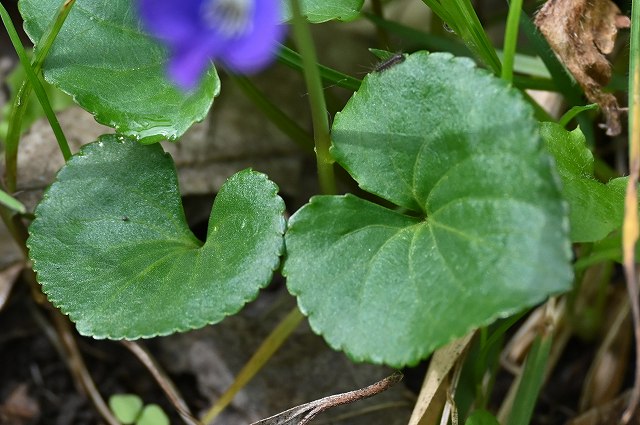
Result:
[
  {"x": 79, "y": 369},
  {"x": 163, "y": 380}
]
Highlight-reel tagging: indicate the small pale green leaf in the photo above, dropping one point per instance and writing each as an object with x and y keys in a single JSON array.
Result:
[
  {"x": 112, "y": 248},
  {"x": 112, "y": 69},
  {"x": 485, "y": 231},
  {"x": 317, "y": 11},
  {"x": 153, "y": 415},
  {"x": 596, "y": 209},
  {"x": 125, "y": 407}
]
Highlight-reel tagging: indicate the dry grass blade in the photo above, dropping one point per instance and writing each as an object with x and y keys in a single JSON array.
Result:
[
  {"x": 442, "y": 364},
  {"x": 303, "y": 414},
  {"x": 606, "y": 414},
  {"x": 611, "y": 363},
  {"x": 630, "y": 224}
]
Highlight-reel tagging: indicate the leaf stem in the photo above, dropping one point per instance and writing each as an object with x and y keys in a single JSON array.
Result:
[
  {"x": 511, "y": 40},
  {"x": 321, "y": 134},
  {"x": 18, "y": 108},
  {"x": 266, "y": 350}
]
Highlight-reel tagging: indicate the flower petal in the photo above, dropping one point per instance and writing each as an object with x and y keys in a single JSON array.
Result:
[
  {"x": 187, "y": 65},
  {"x": 173, "y": 21},
  {"x": 194, "y": 38},
  {"x": 255, "y": 50}
]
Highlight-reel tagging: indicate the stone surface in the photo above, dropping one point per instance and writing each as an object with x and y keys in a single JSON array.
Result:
[{"x": 303, "y": 369}]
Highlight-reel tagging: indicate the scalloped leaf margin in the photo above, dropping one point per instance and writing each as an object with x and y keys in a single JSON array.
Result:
[
  {"x": 484, "y": 233},
  {"x": 112, "y": 249},
  {"x": 115, "y": 71}
]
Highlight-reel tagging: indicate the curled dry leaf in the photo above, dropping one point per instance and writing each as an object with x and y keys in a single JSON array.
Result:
[
  {"x": 581, "y": 33},
  {"x": 304, "y": 413}
]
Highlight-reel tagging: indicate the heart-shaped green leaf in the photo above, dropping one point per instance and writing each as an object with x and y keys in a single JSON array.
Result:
[
  {"x": 112, "y": 248},
  {"x": 115, "y": 71},
  {"x": 317, "y": 11},
  {"x": 596, "y": 209},
  {"x": 485, "y": 232}
]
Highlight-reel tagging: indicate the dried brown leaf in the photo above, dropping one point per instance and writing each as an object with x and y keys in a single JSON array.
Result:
[
  {"x": 581, "y": 33},
  {"x": 19, "y": 407}
]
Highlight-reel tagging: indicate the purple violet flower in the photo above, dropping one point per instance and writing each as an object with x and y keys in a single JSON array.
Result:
[{"x": 242, "y": 35}]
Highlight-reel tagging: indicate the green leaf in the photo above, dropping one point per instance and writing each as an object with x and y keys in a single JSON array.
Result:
[
  {"x": 484, "y": 233},
  {"x": 112, "y": 248},
  {"x": 153, "y": 415},
  {"x": 125, "y": 407},
  {"x": 117, "y": 72},
  {"x": 604, "y": 250},
  {"x": 317, "y": 11},
  {"x": 481, "y": 417},
  {"x": 596, "y": 209}
]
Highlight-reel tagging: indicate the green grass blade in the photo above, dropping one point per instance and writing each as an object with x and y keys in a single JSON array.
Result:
[
  {"x": 511, "y": 40},
  {"x": 12, "y": 203},
  {"x": 13, "y": 136},
  {"x": 293, "y": 60},
  {"x": 530, "y": 381},
  {"x": 462, "y": 18}
]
